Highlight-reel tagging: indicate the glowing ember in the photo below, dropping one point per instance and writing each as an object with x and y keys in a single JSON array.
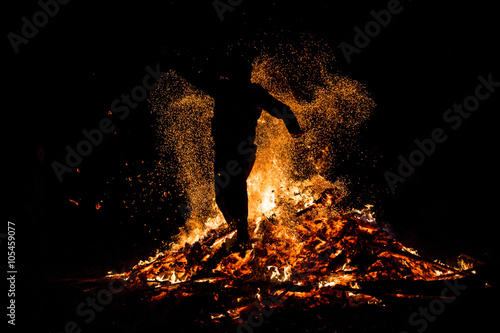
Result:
[{"x": 299, "y": 233}]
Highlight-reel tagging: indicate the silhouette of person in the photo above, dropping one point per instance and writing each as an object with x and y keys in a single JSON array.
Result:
[{"x": 238, "y": 106}]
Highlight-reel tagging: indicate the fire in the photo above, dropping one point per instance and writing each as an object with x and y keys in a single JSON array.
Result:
[{"x": 300, "y": 234}]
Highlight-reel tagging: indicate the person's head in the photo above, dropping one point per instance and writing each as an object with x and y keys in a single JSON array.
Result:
[{"x": 236, "y": 69}]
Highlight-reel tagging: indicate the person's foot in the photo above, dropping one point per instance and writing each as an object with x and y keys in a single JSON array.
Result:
[
  {"x": 242, "y": 237},
  {"x": 229, "y": 243},
  {"x": 239, "y": 246},
  {"x": 239, "y": 243}
]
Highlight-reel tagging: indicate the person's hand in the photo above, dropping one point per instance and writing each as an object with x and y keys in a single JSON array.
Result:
[{"x": 297, "y": 134}]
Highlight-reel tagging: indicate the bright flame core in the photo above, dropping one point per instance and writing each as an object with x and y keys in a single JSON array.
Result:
[
  {"x": 298, "y": 232},
  {"x": 286, "y": 174}
]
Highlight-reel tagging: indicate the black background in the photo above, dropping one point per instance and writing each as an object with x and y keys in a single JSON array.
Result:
[{"x": 65, "y": 78}]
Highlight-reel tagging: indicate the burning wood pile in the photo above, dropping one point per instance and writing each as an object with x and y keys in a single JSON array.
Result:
[
  {"x": 327, "y": 258},
  {"x": 306, "y": 249}
]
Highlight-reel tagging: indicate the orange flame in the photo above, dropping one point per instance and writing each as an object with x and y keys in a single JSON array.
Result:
[{"x": 299, "y": 233}]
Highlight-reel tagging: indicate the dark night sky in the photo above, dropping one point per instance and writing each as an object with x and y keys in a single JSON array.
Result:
[{"x": 426, "y": 59}]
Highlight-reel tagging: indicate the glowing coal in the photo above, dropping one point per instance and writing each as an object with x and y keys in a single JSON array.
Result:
[{"x": 299, "y": 233}]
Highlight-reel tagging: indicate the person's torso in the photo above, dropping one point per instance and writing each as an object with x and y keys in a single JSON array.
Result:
[{"x": 235, "y": 114}]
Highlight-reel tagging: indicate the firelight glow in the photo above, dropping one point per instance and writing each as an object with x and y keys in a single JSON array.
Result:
[{"x": 299, "y": 232}]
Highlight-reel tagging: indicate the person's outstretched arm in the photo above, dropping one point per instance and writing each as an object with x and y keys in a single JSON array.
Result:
[{"x": 278, "y": 110}]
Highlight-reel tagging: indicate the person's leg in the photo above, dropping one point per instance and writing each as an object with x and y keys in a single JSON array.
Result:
[
  {"x": 238, "y": 206},
  {"x": 239, "y": 197},
  {"x": 231, "y": 192},
  {"x": 221, "y": 183}
]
